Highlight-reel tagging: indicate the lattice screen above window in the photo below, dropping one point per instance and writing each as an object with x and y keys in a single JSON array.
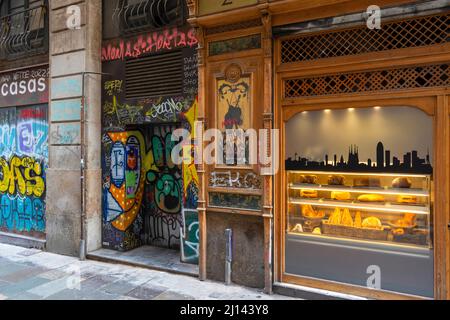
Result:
[
  {"x": 411, "y": 33},
  {"x": 395, "y": 79}
]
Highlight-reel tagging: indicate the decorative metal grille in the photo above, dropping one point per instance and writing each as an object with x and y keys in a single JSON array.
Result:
[
  {"x": 234, "y": 27},
  {"x": 406, "y": 78},
  {"x": 138, "y": 15},
  {"x": 411, "y": 33},
  {"x": 24, "y": 32}
]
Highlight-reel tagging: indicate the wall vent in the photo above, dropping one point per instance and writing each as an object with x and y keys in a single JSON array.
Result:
[{"x": 154, "y": 76}]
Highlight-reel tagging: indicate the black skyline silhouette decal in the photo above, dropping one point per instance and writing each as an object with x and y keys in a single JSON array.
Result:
[{"x": 384, "y": 162}]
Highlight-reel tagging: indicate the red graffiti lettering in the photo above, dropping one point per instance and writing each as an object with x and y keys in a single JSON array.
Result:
[{"x": 150, "y": 43}]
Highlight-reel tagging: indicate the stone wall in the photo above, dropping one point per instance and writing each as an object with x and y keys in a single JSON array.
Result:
[{"x": 74, "y": 59}]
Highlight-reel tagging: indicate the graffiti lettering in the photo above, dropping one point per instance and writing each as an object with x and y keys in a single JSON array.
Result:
[
  {"x": 234, "y": 180},
  {"x": 151, "y": 43},
  {"x": 21, "y": 176},
  {"x": 23, "y": 162},
  {"x": 22, "y": 214},
  {"x": 113, "y": 87},
  {"x": 165, "y": 110}
]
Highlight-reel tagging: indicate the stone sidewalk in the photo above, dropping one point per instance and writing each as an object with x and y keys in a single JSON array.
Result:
[{"x": 29, "y": 274}]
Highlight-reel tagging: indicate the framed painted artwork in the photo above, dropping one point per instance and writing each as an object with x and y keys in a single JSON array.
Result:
[{"x": 234, "y": 116}]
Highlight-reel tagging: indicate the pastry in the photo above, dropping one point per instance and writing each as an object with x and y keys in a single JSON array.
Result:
[
  {"x": 399, "y": 232},
  {"x": 371, "y": 198},
  {"x": 298, "y": 228},
  {"x": 407, "y": 199},
  {"x": 308, "y": 179},
  {"x": 358, "y": 220},
  {"x": 317, "y": 231},
  {"x": 309, "y": 212},
  {"x": 335, "y": 217},
  {"x": 336, "y": 180},
  {"x": 372, "y": 223},
  {"x": 401, "y": 182},
  {"x": 309, "y": 194},
  {"x": 367, "y": 182},
  {"x": 408, "y": 221},
  {"x": 337, "y": 195},
  {"x": 410, "y": 217},
  {"x": 346, "y": 218}
]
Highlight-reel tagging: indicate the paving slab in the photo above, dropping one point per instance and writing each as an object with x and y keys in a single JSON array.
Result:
[
  {"x": 97, "y": 282},
  {"x": 50, "y": 288},
  {"x": 55, "y": 277},
  {"x": 16, "y": 288},
  {"x": 22, "y": 274},
  {"x": 171, "y": 295},
  {"x": 119, "y": 287},
  {"x": 146, "y": 292}
]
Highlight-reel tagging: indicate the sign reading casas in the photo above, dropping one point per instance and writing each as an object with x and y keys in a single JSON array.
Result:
[
  {"x": 24, "y": 87},
  {"x": 213, "y": 6}
]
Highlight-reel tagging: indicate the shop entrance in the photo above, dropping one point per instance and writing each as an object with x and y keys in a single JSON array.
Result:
[{"x": 143, "y": 206}]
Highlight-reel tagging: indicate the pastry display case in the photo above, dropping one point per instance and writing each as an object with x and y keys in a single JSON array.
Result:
[{"x": 389, "y": 209}]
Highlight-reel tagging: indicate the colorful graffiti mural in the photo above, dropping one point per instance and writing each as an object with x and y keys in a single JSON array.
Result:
[
  {"x": 23, "y": 165},
  {"x": 144, "y": 192}
]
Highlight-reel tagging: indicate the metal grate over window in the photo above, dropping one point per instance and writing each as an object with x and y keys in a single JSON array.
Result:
[
  {"x": 154, "y": 76},
  {"x": 411, "y": 33},
  {"x": 406, "y": 78}
]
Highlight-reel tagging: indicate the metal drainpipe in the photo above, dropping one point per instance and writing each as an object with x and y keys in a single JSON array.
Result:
[{"x": 83, "y": 148}]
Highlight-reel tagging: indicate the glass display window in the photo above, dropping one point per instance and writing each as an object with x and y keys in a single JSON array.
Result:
[
  {"x": 359, "y": 195},
  {"x": 388, "y": 208}
]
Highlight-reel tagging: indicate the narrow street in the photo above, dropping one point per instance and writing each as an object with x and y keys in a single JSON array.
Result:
[{"x": 29, "y": 274}]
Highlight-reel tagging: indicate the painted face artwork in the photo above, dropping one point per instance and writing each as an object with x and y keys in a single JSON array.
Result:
[{"x": 235, "y": 96}]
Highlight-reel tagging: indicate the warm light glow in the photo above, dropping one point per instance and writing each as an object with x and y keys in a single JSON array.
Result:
[
  {"x": 351, "y": 109},
  {"x": 360, "y": 174},
  {"x": 366, "y": 207},
  {"x": 327, "y": 110},
  {"x": 384, "y": 243},
  {"x": 406, "y": 192},
  {"x": 377, "y": 108}
]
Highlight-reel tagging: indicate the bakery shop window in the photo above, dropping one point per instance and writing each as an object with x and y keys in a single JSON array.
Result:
[{"x": 359, "y": 194}]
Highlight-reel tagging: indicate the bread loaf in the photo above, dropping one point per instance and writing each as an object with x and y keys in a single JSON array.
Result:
[
  {"x": 367, "y": 182},
  {"x": 371, "y": 198}
]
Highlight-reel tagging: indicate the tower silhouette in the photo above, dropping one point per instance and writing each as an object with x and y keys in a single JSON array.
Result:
[{"x": 380, "y": 155}]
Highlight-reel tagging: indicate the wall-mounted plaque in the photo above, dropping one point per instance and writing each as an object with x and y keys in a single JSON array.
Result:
[{"x": 214, "y": 6}]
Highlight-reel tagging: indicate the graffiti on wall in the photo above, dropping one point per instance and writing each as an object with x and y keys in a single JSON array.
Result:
[
  {"x": 23, "y": 165},
  {"x": 154, "y": 42},
  {"x": 228, "y": 179},
  {"x": 190, "y": 234},
  {"x": 145, "y": 192}
]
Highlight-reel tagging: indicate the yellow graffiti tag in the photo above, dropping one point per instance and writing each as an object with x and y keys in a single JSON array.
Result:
[{"x": 21, "y": 176}]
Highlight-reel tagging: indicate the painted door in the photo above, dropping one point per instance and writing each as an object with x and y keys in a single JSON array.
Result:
[{"x": 23, "y": 166}]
